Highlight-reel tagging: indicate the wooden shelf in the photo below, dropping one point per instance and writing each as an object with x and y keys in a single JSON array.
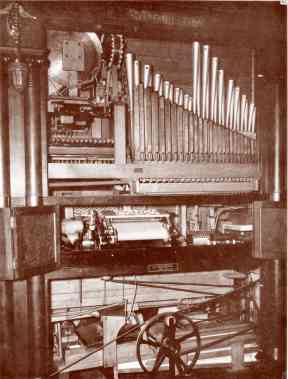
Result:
[
  {"x": 156, "y": 200},
  {"x": 148, "y": 260}
]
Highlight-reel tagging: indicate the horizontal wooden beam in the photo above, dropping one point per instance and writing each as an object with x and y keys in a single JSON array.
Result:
[{"x": 240, "y": 24}]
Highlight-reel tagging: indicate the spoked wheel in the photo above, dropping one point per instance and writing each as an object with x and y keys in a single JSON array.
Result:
[{"x": 168, "y": 339}]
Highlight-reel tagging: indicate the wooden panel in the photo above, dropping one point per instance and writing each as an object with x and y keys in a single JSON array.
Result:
[{"x": 270, "y": 220}]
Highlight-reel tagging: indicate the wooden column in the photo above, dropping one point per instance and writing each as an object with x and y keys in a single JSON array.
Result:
[
  {"x": 33, "y": 136},
  {"x": 272, "y": 311},
  {"x": 38, "y": 326},
  {"x": 6, "y": 329}
]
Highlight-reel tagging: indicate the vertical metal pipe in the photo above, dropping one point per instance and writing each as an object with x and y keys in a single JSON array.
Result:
[
  {"x": 166, "y": 89},
  {"x": 250, "y": 117},
  {"x": 276, "y": 195},
  {"x": 205, "y": 81},
  {"x": 213, "y": 101},
  {"x": 196, "y": 77},
  {"x": 229, "y": 103},
  {"x": 221, "y": 100},
  {"x": 4, "y": 138},
  {"x": 129, "y": 58},
  {"x": 146, "y": 75},
  {"x": 242, "y": 113},
  {"x": 236, "y": 109},
  {"x": 171, "y": 92},
  {"x": 157, "y": 82},
  {"x": 136, "y": 73},
  {"x": 33, "y": 137},
  {"x": 176, "y": 95}
]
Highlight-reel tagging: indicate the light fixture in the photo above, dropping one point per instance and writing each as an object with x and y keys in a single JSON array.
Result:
[
  {"x": 18, "y": 74},
  {"x": 17, "y": 69}
]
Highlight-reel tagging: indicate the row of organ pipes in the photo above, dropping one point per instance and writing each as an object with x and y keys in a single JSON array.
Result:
[{"x": 216, "y": 123}]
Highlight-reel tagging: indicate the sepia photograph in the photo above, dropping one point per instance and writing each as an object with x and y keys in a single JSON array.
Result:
[{"x": 143, "y": 189}]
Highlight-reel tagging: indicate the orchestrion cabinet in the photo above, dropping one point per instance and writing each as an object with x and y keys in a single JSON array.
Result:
[{"x": 134, "y": 159}]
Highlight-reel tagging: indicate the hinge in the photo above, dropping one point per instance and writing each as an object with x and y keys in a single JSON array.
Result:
[{"x": 12, "y": 222}]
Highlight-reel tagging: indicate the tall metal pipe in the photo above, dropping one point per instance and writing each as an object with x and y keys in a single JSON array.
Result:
[
  {"x": 129, "y": 58},
  {"x": 137, "y": 71},
  {"x": 4, "y": 138},
  {"x": 221, "y": 99},
  {"x": 205, "y": 82},
  {"x": 229, "y": 103},
  {"x": 213, "y": 101},
  {"x": 196, "y": 77}
]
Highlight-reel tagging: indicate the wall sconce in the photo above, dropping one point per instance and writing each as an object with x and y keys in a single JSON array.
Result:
[
  {"x": 17, "y": 70},
  {"x": 18, "y": 75}
]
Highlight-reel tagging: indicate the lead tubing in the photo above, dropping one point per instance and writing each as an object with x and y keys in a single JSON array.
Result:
[
  {"x": 129, "y": 58},
  {"x": 205, "y": 81},
  {"x": 4, "y": 138},
  {"x": 213, "y": 101},
  {"x": 195, "y": 76},
  {"x": 229, "y": 103},
  {"x": 137, "y": 73}
]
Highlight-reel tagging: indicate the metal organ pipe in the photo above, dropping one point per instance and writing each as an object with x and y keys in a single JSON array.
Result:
[
  {"x": 130, "y": 77},
  {"x": 213, "y": 102},
  {"x": 205, "y": 82},
  {"x": 213, "y": 124},
  {"x": 196, "y": 77}
]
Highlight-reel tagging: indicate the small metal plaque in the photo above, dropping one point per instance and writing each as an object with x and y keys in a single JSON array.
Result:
[
  {"x": 73, "y": 56},
  {"x": 163, "y": 267}
]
